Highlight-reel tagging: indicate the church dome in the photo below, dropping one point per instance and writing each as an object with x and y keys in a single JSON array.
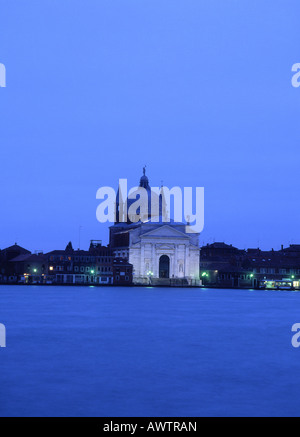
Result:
[
  {"x": 144, "y": 181},
  {"x": 153, "y": 200}
]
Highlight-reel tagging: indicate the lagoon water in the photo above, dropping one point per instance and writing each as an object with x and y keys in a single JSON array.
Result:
[{"x": 86, "y": 351}]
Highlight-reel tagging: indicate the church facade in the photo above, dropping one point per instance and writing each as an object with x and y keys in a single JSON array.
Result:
[{"x": 161, "y": 253}]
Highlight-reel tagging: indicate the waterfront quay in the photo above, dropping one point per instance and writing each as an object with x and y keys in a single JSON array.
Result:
[{"x": 221, "y": 266}]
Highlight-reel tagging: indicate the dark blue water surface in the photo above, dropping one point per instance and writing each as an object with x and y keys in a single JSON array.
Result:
[{"x": 84, "y": 351}]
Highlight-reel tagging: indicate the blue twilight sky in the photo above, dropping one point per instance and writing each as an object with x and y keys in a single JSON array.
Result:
[{"x": 200, "y": 91}]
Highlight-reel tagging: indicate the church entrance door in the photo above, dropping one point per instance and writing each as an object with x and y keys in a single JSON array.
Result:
[{"x": 164, "y": 266}]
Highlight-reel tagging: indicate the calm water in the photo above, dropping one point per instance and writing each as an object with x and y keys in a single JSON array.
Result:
[{"x": 148, "y": 352}]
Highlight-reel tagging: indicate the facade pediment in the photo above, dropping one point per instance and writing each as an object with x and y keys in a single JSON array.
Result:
[
  {"x": 165, "y": 246},
  {"x": 165, "y": 231}
]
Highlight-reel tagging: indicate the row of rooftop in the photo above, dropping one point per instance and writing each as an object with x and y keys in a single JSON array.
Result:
[
  {"x": 98, "y": 265},
  {"x": 227, "y": 266},
  {"x": 221, "y": 265}
]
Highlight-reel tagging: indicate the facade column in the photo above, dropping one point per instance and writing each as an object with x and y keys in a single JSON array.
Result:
[
  {"x": 176, "y": 261},
  {"x": 153, "y": 261},
  {"x": 171, "y": 257},
  {"x": 187, "y": 261},
  {"x": 142, "y": 268}
]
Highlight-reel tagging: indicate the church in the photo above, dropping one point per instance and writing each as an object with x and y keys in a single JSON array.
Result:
[{"x": 162, "y": 253}]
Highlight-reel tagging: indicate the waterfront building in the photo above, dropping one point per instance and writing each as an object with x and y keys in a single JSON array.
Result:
[
  {"x": 94, "y": 266},
  {"x": 161, "y": 253},
  {"x": 223, "y": 265},
  {"x": 97, "y": 266},
  {"x": 7, "y": 270},
  {"x": 122, "y": 272},
  {"x": 30, "y": 268}
]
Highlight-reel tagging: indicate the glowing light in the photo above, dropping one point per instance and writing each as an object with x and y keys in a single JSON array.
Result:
[{"x": 50, "y": 268}]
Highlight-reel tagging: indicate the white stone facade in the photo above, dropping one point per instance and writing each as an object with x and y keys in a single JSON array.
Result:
[{"x": 149, "y": 242}]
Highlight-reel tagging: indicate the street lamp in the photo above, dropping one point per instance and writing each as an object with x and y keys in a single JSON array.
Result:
[{"x": 149, "y": 274}]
